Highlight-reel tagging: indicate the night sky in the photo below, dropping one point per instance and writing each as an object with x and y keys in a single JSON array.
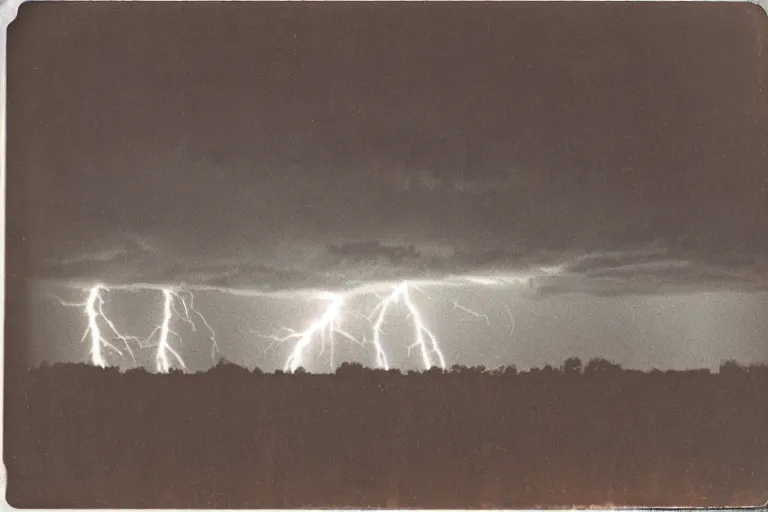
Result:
[{"x": 600, "y": 170}]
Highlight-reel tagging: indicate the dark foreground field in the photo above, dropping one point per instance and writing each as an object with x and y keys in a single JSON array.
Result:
[{"x": 79, "y": 436}]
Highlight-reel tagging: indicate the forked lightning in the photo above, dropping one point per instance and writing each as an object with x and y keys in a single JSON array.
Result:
[
  {"x": 94, "y": 310},
  {"x": 173, "y": 302},
  {"x": 178, "y": 307}
]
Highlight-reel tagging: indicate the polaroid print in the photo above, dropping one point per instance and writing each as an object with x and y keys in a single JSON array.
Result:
[{"x": 386, "y": 255}]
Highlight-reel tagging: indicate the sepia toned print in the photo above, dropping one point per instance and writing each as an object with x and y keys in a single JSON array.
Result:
[{"x": 423, "y": 255}]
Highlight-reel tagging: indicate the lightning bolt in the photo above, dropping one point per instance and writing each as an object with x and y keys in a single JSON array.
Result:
[
  {"x": 420, "y": 330},
  {"x": 328, "y": 325},
  {"x": 424, "y": 339},
  {"x": 511, "y": 319},
  {"x": 324, "y": 329},
  {"x": 164, "y": 331},
  {"x": 212, "y": 335},
  {"x": 178, "y": 307},
  {"x": 93, "y": 308},
  {"x": 456, "y": 305},
  {"x": 381, "y": 307}
]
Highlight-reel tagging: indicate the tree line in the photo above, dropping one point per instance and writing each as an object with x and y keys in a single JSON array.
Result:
[{"x": 573, "y": 435}]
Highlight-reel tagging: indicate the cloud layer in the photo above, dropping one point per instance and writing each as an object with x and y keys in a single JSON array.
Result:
[
  {"x": 299, "y": 147},
  {"x": 652, "y": 269}
]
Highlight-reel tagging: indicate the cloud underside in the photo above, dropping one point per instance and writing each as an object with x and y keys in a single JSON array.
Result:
[{"x": 364, "y": 264}]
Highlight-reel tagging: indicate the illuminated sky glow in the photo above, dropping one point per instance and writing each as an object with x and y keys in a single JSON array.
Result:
[
  {"x": 510, "y": 321},
  {"x": 550, "y": 181}
]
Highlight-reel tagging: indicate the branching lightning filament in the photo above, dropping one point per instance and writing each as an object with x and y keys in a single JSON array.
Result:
[
  {"x": 164, "y": 331},
  {"x": 475, "y": 314},
  {"x": 94, "y": 310},
  {"x": 178, "y": 303},
  {"x": 424, "y": 339},
  {"x": 212, "y": 335},
  {"x": 336, "y": 322},
  {"x": 329, "y": 324},
  {"x": 324, "y": 328}
]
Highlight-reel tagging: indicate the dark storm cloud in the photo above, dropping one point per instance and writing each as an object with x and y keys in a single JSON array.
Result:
[
  {"x": 373, "y": 251},
  {"x": 653, "y": 271},
  {"x": 650, "y": 270},
  {"x": 293, "y": 145}
]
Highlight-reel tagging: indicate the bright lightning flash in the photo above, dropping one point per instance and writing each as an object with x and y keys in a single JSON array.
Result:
[
  {"x": 94, "y": 310},
  {"x": 212, "y": 335},
  {"x": 178, "y": 303},
  {"x": 421, "y": 333},
  {"x": 420, "y": 330},
  {"x": 330, "y": 323},
  {"x": 324, "y": 328},
  {"x": 163, "y": 332}
]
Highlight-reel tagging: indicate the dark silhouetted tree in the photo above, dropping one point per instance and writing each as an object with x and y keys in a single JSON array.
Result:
[
  {"x": 510, "y": 370},
  {"x": 572, "y": 365},
  {"x": 731, "y": 367},
  {"x": 600, "y": 365},
  {"x": 350, "y": 369},
  {"x": 459, "y": 369},
  {"x": 548, "y": 369}
]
